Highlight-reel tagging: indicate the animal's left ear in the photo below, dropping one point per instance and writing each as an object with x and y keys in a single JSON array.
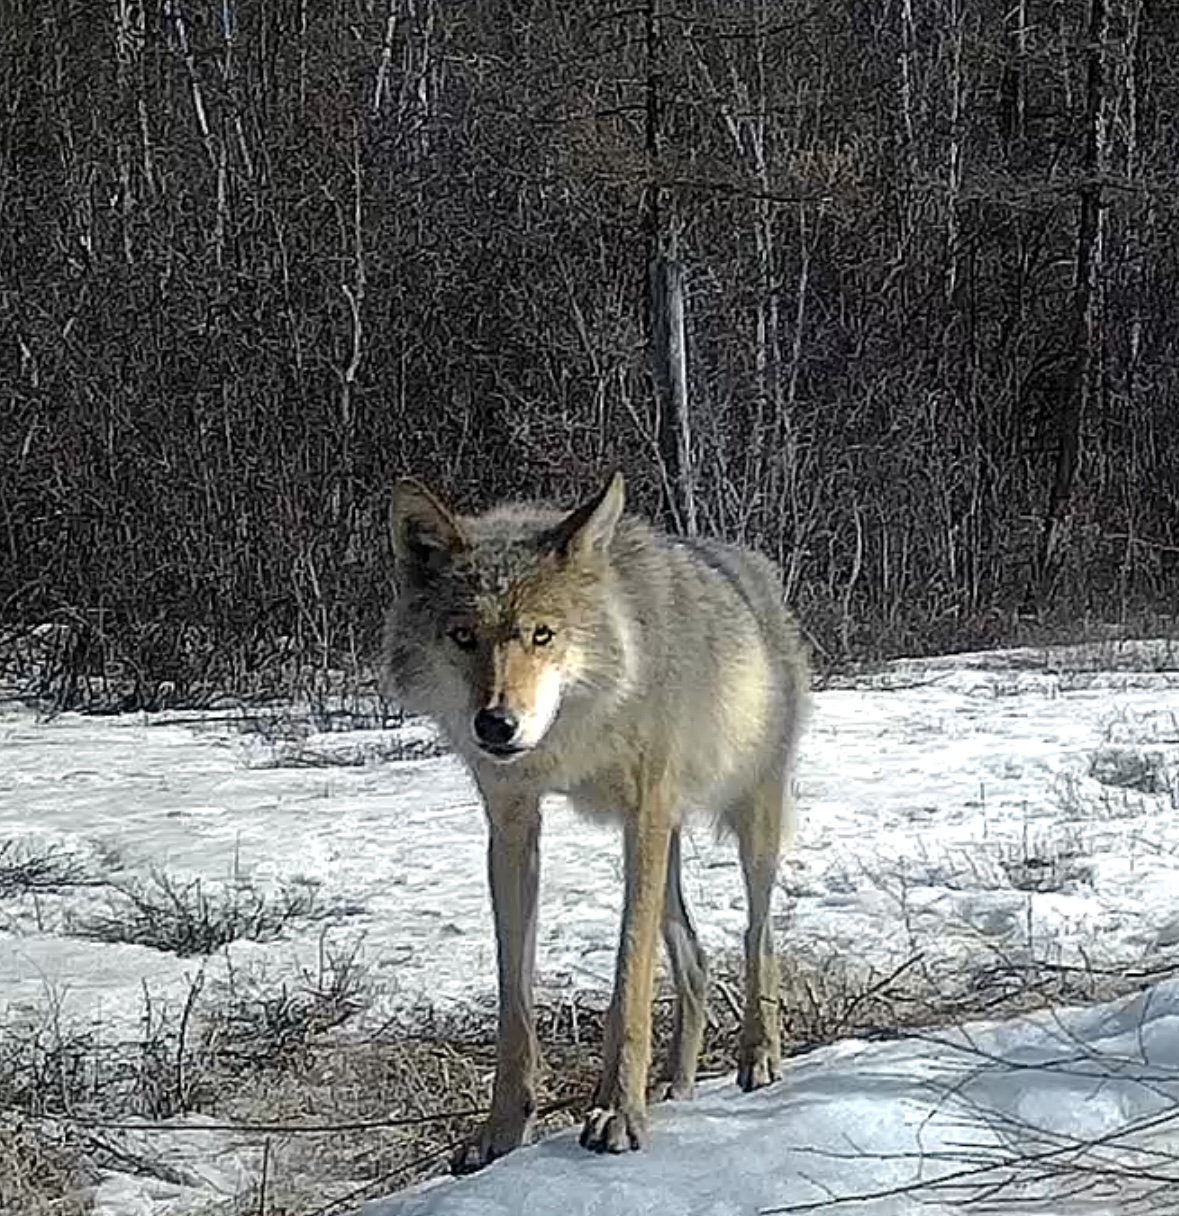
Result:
[{"x": 591, "y": 527}]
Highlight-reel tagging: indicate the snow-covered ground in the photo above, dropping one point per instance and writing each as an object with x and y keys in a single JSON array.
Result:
[
  {"x": 1073, "y": 1115},
  {"x": 1005, "y": 805}
]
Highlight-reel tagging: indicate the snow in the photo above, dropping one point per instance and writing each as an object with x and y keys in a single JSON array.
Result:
[
  {"x": 1006, "y": 805},
  {"x": 1003, "y": 1110}
]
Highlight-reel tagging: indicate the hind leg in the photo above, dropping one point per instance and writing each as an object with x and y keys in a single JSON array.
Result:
[
  {"x": 689, "y": 972},
  {"x": 758, "y": 820}
]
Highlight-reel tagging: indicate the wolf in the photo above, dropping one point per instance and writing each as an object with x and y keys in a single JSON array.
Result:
[{"x": 644, "y": 676}]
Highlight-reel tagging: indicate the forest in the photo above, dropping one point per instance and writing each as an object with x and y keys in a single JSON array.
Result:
[{"x": 918, "y": 260}]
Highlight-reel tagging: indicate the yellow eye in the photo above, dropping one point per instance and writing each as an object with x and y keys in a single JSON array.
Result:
[
  {"x": 542, "y": 635},
  {"x": 462, "y": 637}
]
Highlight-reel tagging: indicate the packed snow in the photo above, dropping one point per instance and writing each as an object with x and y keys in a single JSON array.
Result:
[{"x": 1011, "y": 805}]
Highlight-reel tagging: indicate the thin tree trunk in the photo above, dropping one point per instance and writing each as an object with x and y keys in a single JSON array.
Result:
[
  {"x": 670, "y": 363},
  {"x": 954, "y": 159},
  {"x": 1076, "y": 399},
  {"x": 665, "y": 311}
]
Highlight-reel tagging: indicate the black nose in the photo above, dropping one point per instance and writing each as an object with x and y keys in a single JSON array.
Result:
[{"x": 496, "y": 728}]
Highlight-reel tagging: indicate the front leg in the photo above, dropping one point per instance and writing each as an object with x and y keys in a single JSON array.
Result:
[
  {"x": 513, "y": 866},
  {"x": 618, "y": 1120}
]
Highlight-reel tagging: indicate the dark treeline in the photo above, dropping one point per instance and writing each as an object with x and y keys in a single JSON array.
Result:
[{"x": 258, "y": 257}]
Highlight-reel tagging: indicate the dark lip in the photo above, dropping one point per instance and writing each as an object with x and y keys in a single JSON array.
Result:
[{"x": 502, "y": 753}]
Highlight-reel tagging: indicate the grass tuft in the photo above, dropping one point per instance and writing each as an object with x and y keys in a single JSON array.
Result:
[
  {"x": 196, "y": 918},
  {"x": 25, "y": 869}
]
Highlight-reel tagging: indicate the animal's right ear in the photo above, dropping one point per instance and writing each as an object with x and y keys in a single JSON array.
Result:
[{"x": 425, "y": 534}]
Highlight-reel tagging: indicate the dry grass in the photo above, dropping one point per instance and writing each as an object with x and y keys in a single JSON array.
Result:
[
  {"x": 41, "y": 1174},
  {"x": 195, "y": 918},
  {"x": 391, "y": 1106},
  {"x": 26, "y": 869},
  {"x": 322, "y": 1113}
]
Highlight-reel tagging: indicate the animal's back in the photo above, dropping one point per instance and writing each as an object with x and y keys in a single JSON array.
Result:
[{"x": 724, "y": 675}]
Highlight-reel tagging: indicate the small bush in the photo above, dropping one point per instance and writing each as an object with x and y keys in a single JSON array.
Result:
[
  {"x": 1054, "y": 862},
  {"x": 24, "y": 869},
  {"x": 253, "y": 1027},
  {"x": 1127, "y": 769},
  {"x": 41, "y": 1174},
  {"x": 195, "y": 919}
]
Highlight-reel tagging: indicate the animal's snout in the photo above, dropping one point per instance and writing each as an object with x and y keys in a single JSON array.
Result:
[{"x": 496, "y": 728}]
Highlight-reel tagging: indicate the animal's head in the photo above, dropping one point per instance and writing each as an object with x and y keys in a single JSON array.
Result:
[{"x": 510, "y": 605}]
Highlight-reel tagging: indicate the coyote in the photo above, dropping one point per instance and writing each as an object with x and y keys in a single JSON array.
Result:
[{"x": 639, "y": 674}]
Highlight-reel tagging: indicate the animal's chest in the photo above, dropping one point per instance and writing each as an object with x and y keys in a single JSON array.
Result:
[{"x": 604, "y": 794}]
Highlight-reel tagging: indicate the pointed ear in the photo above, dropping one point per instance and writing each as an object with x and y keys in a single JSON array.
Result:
[
  {"x": 425, "y": 534},
  {"x": 591, "y": 527}
]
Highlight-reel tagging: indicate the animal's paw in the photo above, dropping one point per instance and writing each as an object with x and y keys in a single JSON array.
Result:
[
  {"x": 495, "y": 1139},
  {"x": 758, "y": 1066},
  {"x": 614, "y": 1129}
]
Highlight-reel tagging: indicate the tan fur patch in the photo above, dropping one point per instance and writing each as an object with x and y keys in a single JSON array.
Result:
[
  {"x": 746, "y": 694},
  {"x": 528, "y": 682}
]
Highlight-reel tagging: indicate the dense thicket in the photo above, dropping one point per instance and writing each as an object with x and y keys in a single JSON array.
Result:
[{"x": 257, "y": 257}]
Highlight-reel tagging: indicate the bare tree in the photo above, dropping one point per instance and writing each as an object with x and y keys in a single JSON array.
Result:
[{"x": 887, "y": 289}]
